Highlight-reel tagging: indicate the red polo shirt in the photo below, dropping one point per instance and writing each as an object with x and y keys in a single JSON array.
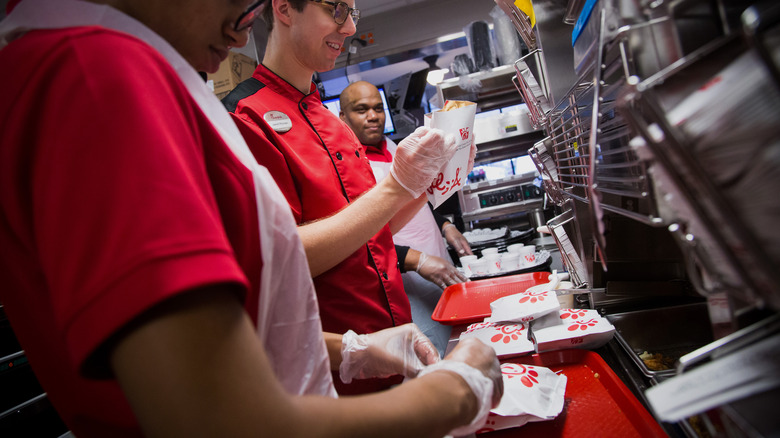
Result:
[
  {"x": 106, "y": 216},
  {"x": 321, "y": 167}
]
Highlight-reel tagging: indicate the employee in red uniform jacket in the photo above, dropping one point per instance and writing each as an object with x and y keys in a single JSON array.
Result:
[
  {"x": 423, "y": 259},
  {"x": 322, "y": 169},
  {"x": 151, "y": 269}
]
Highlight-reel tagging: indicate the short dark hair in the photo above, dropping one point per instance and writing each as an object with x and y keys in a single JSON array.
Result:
[{"x": 268, "y": 12}]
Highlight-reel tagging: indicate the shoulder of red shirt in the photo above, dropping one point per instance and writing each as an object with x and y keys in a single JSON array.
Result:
[{"x": 378, "y": 152}]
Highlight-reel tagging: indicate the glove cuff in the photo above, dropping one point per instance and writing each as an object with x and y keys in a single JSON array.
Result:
[
  {"x": 444, "y": 228},
  {"x": 351, "y": 343},
  {"x": 479, "y": 384},
  {"x": 421, "y": 261}
]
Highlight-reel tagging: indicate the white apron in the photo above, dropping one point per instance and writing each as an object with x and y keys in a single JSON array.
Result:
[
  {"x": 421, "y": 232},
  {"x": 288, "y": 317}
]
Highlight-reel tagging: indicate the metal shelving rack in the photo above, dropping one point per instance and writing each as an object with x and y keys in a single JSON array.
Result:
[{"x": 616, "y": 147}]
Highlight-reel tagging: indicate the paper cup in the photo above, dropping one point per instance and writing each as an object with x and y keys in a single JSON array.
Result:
[
  {"x": 494, "y": 263},
  {"x": 510, "y": 261},
  {"x": 465, "y": 261},
  {"x": 487, "y": 251},
  {"x": 528, "y": 255},
  {"x": 479, "y": 267},
  {"x": 514, "y": 248}
]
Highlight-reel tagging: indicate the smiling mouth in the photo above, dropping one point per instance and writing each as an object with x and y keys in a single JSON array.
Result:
[{"x": 334, "y": 46}]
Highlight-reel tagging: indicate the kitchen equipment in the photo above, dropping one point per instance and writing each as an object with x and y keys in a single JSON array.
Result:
[
  {"x": 512, "y": 194},
  {"x": 669, "y": 331},
  {"x": 662, "y": 163}
]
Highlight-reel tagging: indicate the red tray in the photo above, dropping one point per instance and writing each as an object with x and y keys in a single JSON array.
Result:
[
  {"x": 596, "y": 402},
  {"x": 468, "y": 302}
]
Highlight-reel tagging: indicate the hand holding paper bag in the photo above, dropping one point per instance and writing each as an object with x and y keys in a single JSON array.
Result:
[
  {"x": 457, "y": 118},
  {"x": 420, "y": 157}
]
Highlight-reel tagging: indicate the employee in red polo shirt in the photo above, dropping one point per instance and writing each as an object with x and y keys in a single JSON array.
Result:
[{"x": 322, "y": 170}]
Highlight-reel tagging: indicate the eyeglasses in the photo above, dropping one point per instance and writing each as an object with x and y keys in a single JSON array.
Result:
[
  {"x": 246, "y": 19},
  {"x": 341, "y": 11}
]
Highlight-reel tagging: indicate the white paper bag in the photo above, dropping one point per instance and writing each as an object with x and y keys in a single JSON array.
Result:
[
  {"x": 460, "y": 123},
  {"x": 531, "y": 393}
]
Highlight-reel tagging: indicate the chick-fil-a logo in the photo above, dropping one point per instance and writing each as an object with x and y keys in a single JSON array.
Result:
[
  {"x": 582, "y": 324},
  {"x": 464, "y": 133},
  {"x": 572, "y": 313},
  {"x": 532, "y": 297},
  {"x": 479, "y": 325},
  {"x": 527, "y": 374},
  {"x": 508, "y": 333},
  {"x": 444, "y": 187}
]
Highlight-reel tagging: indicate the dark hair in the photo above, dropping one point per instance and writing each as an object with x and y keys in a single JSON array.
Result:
[{"x": 268, "y": 11}]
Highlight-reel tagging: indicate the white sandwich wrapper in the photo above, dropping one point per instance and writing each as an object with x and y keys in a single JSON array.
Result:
[
  {"x": 571, "y": 328},
  {"x": 506, "y": 339},
  {"x": 460, "y": 123},
  {"x": 523, "y": 307},
  {"x": 531, "y": 393}
]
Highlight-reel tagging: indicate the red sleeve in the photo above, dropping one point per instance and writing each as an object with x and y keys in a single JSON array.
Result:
[{"x": 124, "y": 213}]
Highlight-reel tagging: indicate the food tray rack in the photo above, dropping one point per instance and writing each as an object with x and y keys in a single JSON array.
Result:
[{"x": 719, "y": 199}]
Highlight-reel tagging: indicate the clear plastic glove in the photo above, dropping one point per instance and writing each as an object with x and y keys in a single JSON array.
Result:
[
  {"x": 403, "y": 350},
  {"x": 419, "y": 157},
  {"x": 472, "y": 153},
  {"x": 439, "y": 271},
  {"x": 456, "y": 240},
  {"x": 477, "y": 364}
]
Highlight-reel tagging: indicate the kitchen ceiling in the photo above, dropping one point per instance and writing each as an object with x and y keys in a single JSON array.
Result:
[{"x": 373, "y": 7}]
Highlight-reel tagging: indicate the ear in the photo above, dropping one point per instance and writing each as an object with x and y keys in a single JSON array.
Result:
[
  {"x": 282, "y": 11},
  {"x": 342, "y": 116}
]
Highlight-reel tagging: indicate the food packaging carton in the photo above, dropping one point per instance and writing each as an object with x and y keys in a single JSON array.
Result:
[
  {"x": 506, "y": 339},
  {"x": 571, "y": 328},
  {"x": 523, "y": 307}
]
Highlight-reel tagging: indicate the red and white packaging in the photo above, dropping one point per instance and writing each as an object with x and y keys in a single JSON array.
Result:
[
  {"x": 531, "y": 393},
  {"x": 571, "y": 328},
  {"x": 506, "y": 339},
  {"x": 460, "y": 123},
  {"x": 523, "y": 307}
]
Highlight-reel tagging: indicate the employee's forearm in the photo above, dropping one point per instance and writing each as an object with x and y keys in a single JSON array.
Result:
[
  {"x": 406, "y": 213},
  {"x": 333, "y": 344},
  {"x": 329, "y": 241},
  {"x": 427, "y": 407}
]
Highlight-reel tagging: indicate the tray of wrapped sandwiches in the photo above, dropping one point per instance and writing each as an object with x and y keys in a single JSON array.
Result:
[
  {"x": 595, "y": 401},
  {"x": 465, "y": 303}
]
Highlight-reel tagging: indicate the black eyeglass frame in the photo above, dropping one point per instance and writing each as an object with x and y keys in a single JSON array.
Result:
[
  {"x": 353, "y": 12},
  {"x": 248, "y": 16}
]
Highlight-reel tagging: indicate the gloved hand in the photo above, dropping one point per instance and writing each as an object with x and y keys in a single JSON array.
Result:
[
  {"x": 477, "y": 364},
  {"x": 456, "y": 240},
  {"x": 403, "y": 350},
  {"x": 439, "y": 271},
  {"x": 420, "y": 157}
]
